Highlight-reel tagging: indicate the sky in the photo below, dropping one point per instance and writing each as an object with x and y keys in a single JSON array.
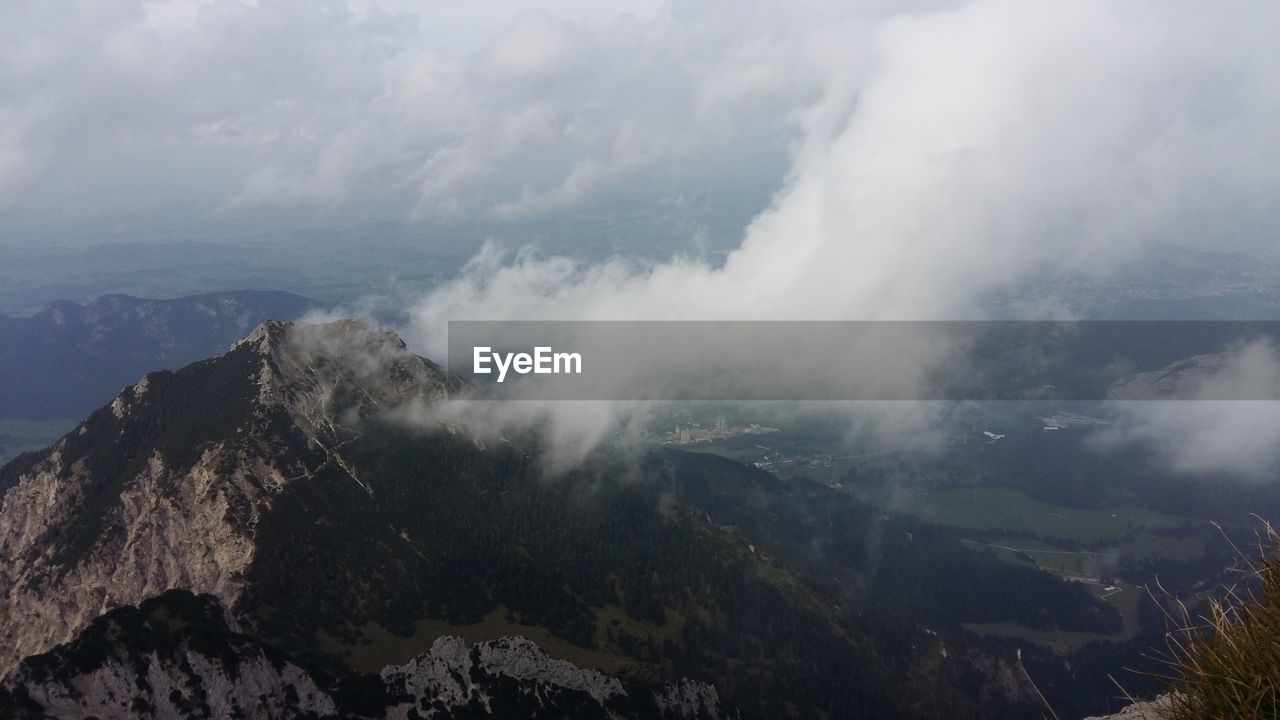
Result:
[
  {"x": 401, "y": 110},
  {"x": 927, "y": 153},
  {"x": 942, "y": 155},
  {"x": 215, "y": 110}
]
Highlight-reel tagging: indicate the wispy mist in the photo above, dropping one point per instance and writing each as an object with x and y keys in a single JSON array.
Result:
[{"x": 953, "y": 153}]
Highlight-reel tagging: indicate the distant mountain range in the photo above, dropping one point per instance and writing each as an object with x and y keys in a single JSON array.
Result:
[{"x": 68, "y": 359}]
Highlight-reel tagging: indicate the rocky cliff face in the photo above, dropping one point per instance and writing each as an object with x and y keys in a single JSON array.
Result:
[
  {"x": 165, "y": 529},
  {"x": 447, "y": 673},
  {"x": 179, "y": 656},
  {"x": 1157, "y": 709},
  {"x": 175, "y": 656},
  {"x": 164, "y": 487}
]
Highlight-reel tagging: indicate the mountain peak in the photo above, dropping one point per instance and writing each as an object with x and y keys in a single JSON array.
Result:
[
  {"x": 333, "y": 373},
  {"x": 276, "y": 336},
  {"x": 165, "y": 486}
]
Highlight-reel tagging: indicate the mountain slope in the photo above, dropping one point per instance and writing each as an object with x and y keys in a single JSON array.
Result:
[
  {"x": 300, "y": 479},
  {"x": 164, "y": 487}
]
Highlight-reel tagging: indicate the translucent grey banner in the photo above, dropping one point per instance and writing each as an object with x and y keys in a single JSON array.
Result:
[{"x": 820, "y": 360}]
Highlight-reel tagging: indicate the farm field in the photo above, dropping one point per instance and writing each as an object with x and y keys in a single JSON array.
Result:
[{"x": 999, "y": 508}]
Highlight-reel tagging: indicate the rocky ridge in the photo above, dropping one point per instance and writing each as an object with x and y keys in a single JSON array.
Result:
[{"x": 181, "y": 655}]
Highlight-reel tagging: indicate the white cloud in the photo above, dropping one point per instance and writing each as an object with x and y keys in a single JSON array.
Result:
[
  {"x": 959, "y": 153},
  {"x": 1206, "y": 434},
  {"x": 951, "y": 154},
  {"x": 437, "y": 108}
]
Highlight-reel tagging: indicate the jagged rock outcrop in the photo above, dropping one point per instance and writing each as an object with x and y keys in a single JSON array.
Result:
[
  {"x": 688, "y": 699},
  {"x": 181, "y": 656},
  {"x": 1149, "y": 710},
  {"x": 175, "y": 656},
  {"x": 447, "y": 672}
]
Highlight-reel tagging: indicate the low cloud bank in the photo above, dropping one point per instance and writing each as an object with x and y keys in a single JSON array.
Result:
[
  {"x": 956, "y": 152},
  {"x": 1240, "y": 438}
]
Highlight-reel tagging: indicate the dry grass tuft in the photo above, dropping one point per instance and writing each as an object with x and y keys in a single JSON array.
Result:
[{"x": 1225, "y": 661}]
